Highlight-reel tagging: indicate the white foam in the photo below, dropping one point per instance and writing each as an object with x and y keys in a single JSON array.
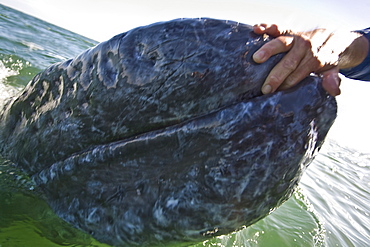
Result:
[
  {"x": 6, "y": 72},
  {"x": 6, "y": 91}
]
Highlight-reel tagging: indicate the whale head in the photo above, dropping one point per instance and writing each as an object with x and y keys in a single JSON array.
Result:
[{"x": 161, "y": 135}]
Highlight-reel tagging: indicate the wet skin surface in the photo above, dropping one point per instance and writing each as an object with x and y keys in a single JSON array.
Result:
[{"x": 161, "y": 135}]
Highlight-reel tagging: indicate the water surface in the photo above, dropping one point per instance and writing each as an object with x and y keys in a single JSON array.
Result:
[{"x": 331, "y": 207}]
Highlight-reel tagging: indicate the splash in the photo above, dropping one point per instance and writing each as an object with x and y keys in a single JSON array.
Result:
[
  {"x": 6, "y": 72},
  {"x": 6, "y": 90}
]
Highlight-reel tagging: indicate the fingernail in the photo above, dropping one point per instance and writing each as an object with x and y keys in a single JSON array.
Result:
[
  {"x": 266, "y": 89},
  {"x": 259, "y": 56}
]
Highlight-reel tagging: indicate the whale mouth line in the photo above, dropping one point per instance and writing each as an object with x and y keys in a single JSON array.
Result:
[
  {"x": 176, "y": 123},
  {"x": 101, "y": 152}
]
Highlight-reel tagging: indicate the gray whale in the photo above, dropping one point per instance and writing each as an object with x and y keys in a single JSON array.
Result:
[{"x": 161, "y": 135}]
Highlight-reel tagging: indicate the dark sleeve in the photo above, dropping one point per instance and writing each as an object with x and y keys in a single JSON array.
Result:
[{"x": 361, "y": 71}]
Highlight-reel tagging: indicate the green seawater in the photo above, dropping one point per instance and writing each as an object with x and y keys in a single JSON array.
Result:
[{"x": 331, "y": 207}]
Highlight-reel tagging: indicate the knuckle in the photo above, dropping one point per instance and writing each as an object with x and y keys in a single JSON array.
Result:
[
  {"x": 315, "y": 64},
  {"x": 275, "y": 81},
  {"x": 306, "y": 44},
  {"x": 286, "y": 42},
  {"x": 274, "y": 28},
  {"x": 290, "y": 64}
]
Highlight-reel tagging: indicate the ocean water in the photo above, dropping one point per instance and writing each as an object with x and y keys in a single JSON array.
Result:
[{"x": 331, "y": 206}]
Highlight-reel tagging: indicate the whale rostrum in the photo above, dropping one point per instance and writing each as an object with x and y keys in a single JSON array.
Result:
[{"x": 161, "y": 135}]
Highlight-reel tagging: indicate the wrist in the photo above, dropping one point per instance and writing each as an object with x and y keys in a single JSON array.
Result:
[{"x": 355, "y": 54}]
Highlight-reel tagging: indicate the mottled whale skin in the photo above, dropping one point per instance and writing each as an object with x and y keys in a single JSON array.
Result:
[{"x": 161, "y": 136}]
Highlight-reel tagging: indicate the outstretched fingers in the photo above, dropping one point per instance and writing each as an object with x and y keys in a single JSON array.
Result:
[
  {"x": 306, "y": 53},
  {"x": 290, "y": 70}
]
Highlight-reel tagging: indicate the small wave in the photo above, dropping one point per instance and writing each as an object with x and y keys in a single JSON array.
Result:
[{"x": 32, "y": 46}]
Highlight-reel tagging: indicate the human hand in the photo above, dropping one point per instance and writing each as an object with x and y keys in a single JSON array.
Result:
[{"x": 316, "y": 51}]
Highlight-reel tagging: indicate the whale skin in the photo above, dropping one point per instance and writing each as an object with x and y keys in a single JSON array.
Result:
[{"x": 161, "y": 135}]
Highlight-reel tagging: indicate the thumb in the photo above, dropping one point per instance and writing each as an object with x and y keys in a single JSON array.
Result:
[{"x": 331, "y": 81}]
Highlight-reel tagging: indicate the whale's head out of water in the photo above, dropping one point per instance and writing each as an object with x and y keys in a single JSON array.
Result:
[{"x": 161, "y": 134}]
